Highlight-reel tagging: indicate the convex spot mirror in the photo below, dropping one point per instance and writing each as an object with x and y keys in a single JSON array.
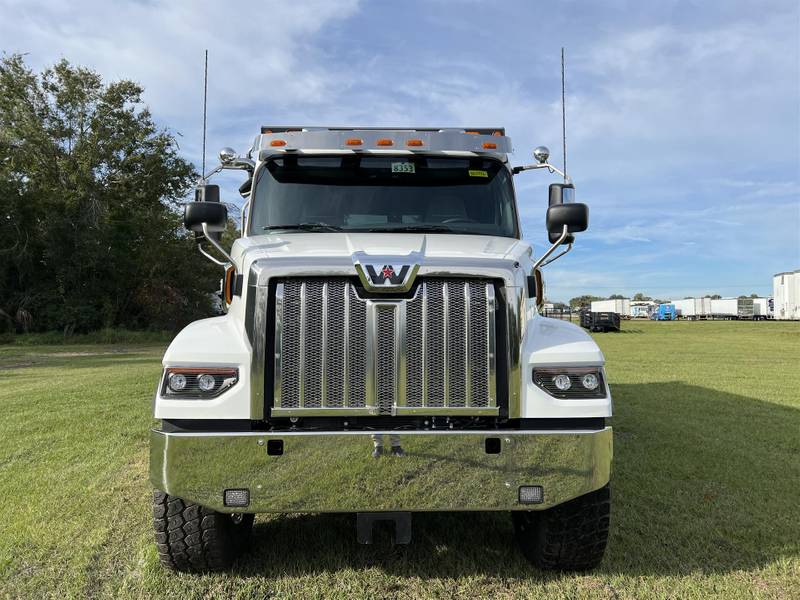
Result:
[{"x": 574, "y": 215}]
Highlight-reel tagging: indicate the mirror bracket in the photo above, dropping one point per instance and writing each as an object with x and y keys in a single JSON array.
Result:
[
  {"x": 216, "y": 261},
  {"x": 546, "y": 255},
  {"x": 548, "y": 166},
  {"x": 557, "y": 256},
  {"x": 218, "y": 246}
]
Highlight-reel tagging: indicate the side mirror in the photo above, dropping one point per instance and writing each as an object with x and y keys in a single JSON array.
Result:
[
  {"x": 574, "y": 215},
  {"x": 561, "y": 193},
  {"x": 213, "y": 214}
]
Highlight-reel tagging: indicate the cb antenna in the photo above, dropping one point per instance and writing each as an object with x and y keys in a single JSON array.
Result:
[
  {"x": 205, "y": 104},
  {"x": 563, "y": 116}
]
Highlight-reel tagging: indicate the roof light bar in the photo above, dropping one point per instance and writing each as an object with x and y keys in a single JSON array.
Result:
[{"x": 384, "y": 142}]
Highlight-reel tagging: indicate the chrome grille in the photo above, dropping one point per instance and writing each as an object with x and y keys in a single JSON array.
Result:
[{"x": 338, "y": 353}]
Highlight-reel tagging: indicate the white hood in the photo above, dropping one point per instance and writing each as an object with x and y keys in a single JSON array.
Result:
[{"x": 344, "y": 245}]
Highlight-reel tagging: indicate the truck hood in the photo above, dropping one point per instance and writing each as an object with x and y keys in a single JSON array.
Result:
[{"x": 325, "y": 253}]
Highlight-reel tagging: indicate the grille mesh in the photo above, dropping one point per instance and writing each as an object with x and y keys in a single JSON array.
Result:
[{"x": 336, "y": 353}]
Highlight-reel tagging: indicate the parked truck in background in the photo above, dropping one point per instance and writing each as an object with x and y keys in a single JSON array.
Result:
[
  {"x": 382, "y": 352},
  {"x": 665, "y": 312}
]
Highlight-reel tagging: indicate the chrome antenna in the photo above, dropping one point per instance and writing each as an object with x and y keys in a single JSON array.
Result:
[
  {"x": 205, "y": 104},
  {"x": 563, "y": 116}
]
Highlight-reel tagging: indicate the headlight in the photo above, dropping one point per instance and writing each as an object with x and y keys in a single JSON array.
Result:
[
  {"x": 570, "y": 382},
  {"x": 187, "y": 383}
]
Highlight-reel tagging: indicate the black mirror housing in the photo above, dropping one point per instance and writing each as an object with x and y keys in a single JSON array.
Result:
[
  {"x": 561, "y": 193},
  {"x": 574, "y": 215},
  {"x": 213, "y": 214}
]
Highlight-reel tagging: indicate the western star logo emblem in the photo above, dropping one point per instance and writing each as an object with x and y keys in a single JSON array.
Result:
[{"x": 388, "y": 274}]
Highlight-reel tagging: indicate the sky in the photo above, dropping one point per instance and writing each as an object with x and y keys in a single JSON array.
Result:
[{"x": 683, "y": 117}]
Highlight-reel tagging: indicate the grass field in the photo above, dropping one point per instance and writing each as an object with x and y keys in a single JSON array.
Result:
[{"x": 705, "y": 487}]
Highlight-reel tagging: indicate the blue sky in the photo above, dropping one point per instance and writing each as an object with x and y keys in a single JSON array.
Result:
[{"x": 683, "y": 117}]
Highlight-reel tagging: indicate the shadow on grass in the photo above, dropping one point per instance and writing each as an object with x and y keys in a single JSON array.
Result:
[{"x": 704, "y": 482}]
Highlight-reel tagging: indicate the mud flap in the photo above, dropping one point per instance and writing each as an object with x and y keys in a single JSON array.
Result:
[{"x": 366, "y": 521}]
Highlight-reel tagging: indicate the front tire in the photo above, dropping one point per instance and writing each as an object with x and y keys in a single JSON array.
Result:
[
  {"x": 192, "y": 538},
  {"x": 568, "y": 537}
]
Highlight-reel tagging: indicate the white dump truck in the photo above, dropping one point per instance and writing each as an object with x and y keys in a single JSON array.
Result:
[{"x": 382, "y": 352}]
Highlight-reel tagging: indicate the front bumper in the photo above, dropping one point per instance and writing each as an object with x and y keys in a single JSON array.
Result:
[{"x": 336, "y": 472}]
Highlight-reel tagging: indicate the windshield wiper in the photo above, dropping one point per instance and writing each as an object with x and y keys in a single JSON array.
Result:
[
  {"x": 304, "y": 227},
  {"x": 414, "y": 229}
]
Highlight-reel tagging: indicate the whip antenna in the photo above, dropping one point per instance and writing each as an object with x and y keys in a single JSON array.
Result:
[
  {"x": 563, "y": 116},
  {"x": 205, "y": 104}
]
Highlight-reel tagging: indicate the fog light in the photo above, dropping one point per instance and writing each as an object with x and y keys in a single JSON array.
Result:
[
  {"x": 206, "y": 382},
  {"x": 562, "y": 382},
  {"x": 177, "y": 382},
  {"x": 531, "y": 494},
  {"x": 590, "y": 381},
  {"x": 237, "y": 497}
]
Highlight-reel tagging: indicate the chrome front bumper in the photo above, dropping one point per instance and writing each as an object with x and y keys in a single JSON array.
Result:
[{"x": 336, "y": 472}]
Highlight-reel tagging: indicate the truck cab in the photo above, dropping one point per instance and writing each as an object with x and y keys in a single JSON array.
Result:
[{"x": 382, "y": 352}]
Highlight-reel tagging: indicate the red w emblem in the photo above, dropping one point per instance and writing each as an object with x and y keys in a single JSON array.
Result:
[{"x": 388, "y": 271}]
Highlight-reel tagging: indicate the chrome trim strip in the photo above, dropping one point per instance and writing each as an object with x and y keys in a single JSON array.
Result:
[
  {"x": 467, "y": 358},
  {"x": 372, "y": 323},
  {"x": 324, "y": 383},
  {"x": 424, "y": 342},
  {"x": 345, "y": 353},
  {"x": 302, "y": 378},
  {"x": 279, "y": 291},
  {"x": 491, "y": 355},
  {"x": 401, "y": 354},
  {"x": 258, "y": 359},
  {"x": 446, "y": 343},
  {"x": 458, "y": 473}
]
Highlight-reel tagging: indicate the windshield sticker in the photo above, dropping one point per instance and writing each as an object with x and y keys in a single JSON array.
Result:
[
  {"x": 478, "y": 173},
  {"x": 403, "y": 167}
]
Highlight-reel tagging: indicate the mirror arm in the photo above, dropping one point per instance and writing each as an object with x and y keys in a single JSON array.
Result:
[
  {"x": 219, "y": 247},
  {"x": 552, "y": 249},
  {"x": 246, "y": 164},
  {"x": 548, "y": 166},
  {"x": 556, "y": 257},
  {"x": 216, "y": 261}
]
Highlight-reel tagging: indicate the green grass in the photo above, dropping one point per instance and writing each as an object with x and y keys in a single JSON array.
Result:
[{"x": 705, "y": 487}]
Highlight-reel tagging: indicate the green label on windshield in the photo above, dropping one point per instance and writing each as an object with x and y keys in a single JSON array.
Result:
[{"x": 478, "y": 173}]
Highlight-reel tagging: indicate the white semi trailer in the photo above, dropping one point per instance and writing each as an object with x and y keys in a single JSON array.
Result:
[
  {"x": 382, "y": 353},
  {"x": 786, "y": 294},
  {"x": 621, "y": 306},
  {"x": 693, "y": 308}
]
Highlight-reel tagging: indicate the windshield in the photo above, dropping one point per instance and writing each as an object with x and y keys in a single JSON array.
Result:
[{"x": 384, "y": 193}]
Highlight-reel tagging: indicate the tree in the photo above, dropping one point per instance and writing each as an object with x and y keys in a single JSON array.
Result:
[
  {"x": 616, "y": 297},
  {"x": 580, "y": 301},
  {"x": 90, "y": 234},
  {"x": 713, "y": 296},
  {"x": 640, "y": 297}
]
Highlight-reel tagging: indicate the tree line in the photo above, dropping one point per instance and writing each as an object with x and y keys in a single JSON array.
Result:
[{"x": 90, "y": 191}]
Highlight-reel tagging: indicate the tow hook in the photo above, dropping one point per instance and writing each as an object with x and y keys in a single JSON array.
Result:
[{"x": 366, "y": 520}]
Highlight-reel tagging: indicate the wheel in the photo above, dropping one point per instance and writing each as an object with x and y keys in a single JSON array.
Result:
[
  {"x": 568, "y": 537},
  {"x": 193, "y": 538}
]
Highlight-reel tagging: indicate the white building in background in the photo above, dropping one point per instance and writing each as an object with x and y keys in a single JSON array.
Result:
[{"x": 786, "y": 293}]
